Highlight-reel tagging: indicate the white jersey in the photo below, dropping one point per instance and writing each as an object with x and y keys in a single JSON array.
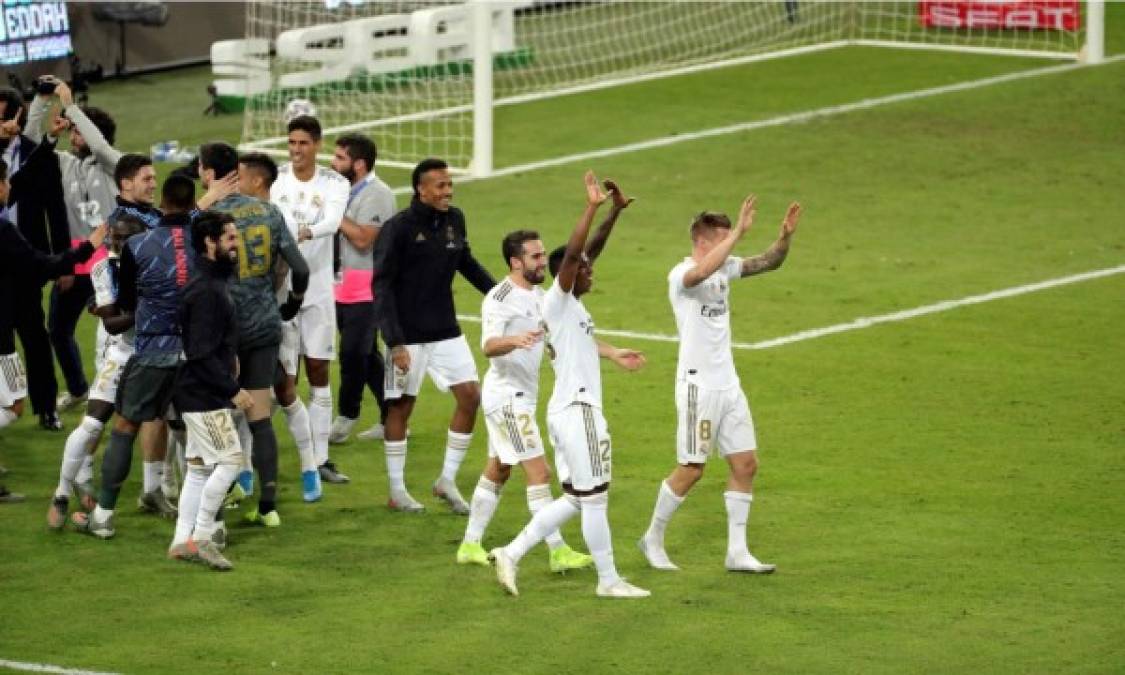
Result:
[
  {"x": 574, "y": 351},
  {"x": 105, "y": 293},
  {"x": 511, "y": 310},
  {"x": 317, "y": 204},
  {"x": 703, "y": 323}
]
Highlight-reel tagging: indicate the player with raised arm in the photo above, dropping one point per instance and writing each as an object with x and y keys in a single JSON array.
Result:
[
  {"x": 583, "y": 449},
  {"x": 713, "y": 415}
]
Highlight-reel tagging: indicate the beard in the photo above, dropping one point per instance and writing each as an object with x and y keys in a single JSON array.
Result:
[{"x": 226, "y": 264}]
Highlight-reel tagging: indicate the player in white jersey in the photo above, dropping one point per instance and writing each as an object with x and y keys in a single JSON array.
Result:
[
  {"x": 583, "y": 449},
  {"x": 512, "y": 339},
  {"x": 313, "y": 200},
  {"x": 81, "y": 443},
  {"x": 713, "y": 416}
]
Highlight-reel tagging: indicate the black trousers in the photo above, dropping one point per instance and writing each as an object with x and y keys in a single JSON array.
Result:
[
  {"x": 62, "y": 318},
  {"x": 361, "y": 363},
  {"x": 31, "y": 326}
]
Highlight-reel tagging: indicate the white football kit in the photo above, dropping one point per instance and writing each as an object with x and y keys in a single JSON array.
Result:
[
  {"x": 317, "y": 204},
  {"x": 713, "y": 415},
  {"x": 583, "y": 448},
  {"x": 511, "y": 385},
  {"x": 115, "y": 349}
]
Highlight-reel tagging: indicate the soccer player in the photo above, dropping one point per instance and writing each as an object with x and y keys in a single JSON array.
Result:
[
  {"x": 313, "y": 200},
  {"x": 370, "y": 204},
  {"x": 81, "y": 442},
  {"x": 583, "y": 449},
  {"x": 207, "y": 387},
  {"x": 263, "y": 240},
  {"x": 416, "y": 255},
  {"x": 712, "y": 413},
  {"x": 155, "y": 267}
]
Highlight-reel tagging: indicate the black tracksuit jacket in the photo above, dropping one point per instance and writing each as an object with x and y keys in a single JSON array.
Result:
[{"x": 206, "y": 379}]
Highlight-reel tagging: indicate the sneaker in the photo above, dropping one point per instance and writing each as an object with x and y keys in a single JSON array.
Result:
[
  {"x": 469, "y": 553},
  {"x": 246, "y": 480},
  {"x": 68, "y": 401},
  {"x": 270, "y": 519},
  {"x": 87, "y": 524},
  {"x": 155, "y": 502},
  {"x": 170, "y": 490},
  {"x": 564, "y": 559},
  {"x": 341, "y": 429},
  {"x": 210, "y": 555},
  {"x": 7, "y": 497},
  {"x": 506, "y": 570},
  {"x": 402, "y": 501},
  {"x": 310, "y": 486},
  {"x": 446, "y": 490},
  {"x": 621, "y": 589},
  {"x": 50, "y": 421},
  {"x": 655, "y": 555},
  {"x": 329, "y": 473},
  {"x": 234, "y": 496},
  {"x": 375, "y": 433},
  {"x": 57, "y": 513},
  {"x": 87, "y": 495},
  {"x": 747, "y": 563},
  {"x": 187, "y": 551}
]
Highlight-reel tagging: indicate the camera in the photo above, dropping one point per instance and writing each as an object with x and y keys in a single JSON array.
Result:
[{"x": 45, "y": 85}]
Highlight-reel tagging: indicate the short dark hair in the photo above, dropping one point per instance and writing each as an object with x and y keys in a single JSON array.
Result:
[
  {"x": 359, "y": 146},
  {"x": 512, "y": 246},
  {"x": 14, "y": 102},
  {"x": 305, "y": 123},
  {"x": 130, "y": 220},
  {"x": 218, "y": 156},
  {"x": 556, "y": 260},
  {"x": 3, "y": 170},
  {"x": 177, "y": 194},
  {"x": 709, "y": 220},
  {"x": 128, "y": 166},
  {"x": 207, "y": 224},
  {"x": 103, "y": 122},
  {"x": 262, "y": 163},
  {"x": 424, "y": 167}
]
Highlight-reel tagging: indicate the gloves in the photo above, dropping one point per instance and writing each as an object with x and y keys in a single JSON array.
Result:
[{"x": 289, "y": 308}]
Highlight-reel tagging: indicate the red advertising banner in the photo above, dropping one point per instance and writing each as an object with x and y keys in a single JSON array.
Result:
[{"x": 1045, "y": 14}]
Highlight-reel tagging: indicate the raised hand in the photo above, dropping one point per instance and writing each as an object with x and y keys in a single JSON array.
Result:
[
  {"x": 59, "y": 124},
  {"x": 97, "y": 236},
  {"x": 594, "y": 194},
  {"x": 64, "y": 94},
  {"x": 620, "y": 201},
  {"x": 746, "y": 214},
  {"x": 789, "y": 223},
  {"x": 218, "y": 189}
]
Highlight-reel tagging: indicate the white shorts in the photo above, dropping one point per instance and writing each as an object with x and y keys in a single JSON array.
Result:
[
  {"x": 583, "y": 449},
  {"x": 289, "y": 352},
  {"x": 449, "y": 362},
  {"x": 212, "y": 437},
  {"x": 317, "y": 325},
  {"x": 711, "y": 422},
  {"x": 101, "y": 344},
  {"x": 113, "y": 362},
  {"x": 13, "y": 379},
  {"x": 513, "y": 435}
]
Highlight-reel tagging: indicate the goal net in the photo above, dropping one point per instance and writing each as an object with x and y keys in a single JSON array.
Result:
[{"x": 404, "y": 71}]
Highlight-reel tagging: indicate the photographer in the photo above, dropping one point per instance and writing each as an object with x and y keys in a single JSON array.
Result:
[{"x": 89, "y": 192}]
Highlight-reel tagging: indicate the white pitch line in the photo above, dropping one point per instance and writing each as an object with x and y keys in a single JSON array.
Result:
[
  {"x": 47, "y": 668},
  {"x": 781, "y": 120},
  {"x": 868, "y": 321}
]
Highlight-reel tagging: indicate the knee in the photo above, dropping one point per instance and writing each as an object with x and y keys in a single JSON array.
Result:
[
  {"x": 745, "y": 466},
  {"x": 468, "y": 398},
  {"x": 538, "y": 475},
  {"x": 17, "y": 408},
  {"x": 503, "y": 473}
]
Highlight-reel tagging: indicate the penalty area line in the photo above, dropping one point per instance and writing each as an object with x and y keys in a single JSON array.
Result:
[
  {"x": 48, "y": 668},
  {"x": 869, "y": 321}
]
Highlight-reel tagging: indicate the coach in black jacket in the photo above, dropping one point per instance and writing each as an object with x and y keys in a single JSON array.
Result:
[
  {"x": 36, "y": 202},
  {"x": 416, "y": 255}
]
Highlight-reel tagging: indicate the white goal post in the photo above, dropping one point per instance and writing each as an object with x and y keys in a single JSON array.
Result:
[{"x": 424, "y": 77}]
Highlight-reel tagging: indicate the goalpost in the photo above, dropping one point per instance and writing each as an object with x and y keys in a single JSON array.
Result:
[{"x": 423, "y": 77}]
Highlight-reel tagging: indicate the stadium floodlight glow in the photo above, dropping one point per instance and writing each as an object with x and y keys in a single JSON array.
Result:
[{"x": 423, "y": 77}]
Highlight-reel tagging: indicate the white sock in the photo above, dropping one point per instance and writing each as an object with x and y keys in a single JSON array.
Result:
[
  {"x": 214, "y": 491},
  {"x": 546, "y": 520},
  {"x": 190, "y": 494},
  {"x": 595, "y": 529},
  {"x": 7, "y": 417},
  {"x": 395, "y": 452},
  {"x": 481, "y": 507},
  {"x": 297, "y": 418},
  {"x": 76, "y": 452},
  {"x": 86, "y": 471},
  {"x": 320, "y": 421},
  {"x": 154, "y": 474},
  {"x": 246, "y": 442},
  {"x": 539, "y": 496},
  {"x": 666, "y": 504},
  {"x": 738, "y": 512},
  {"x": 456, "y": 445}
]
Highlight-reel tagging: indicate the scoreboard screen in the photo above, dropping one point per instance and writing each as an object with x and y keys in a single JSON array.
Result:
[{"x": 33, "y": 31}]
